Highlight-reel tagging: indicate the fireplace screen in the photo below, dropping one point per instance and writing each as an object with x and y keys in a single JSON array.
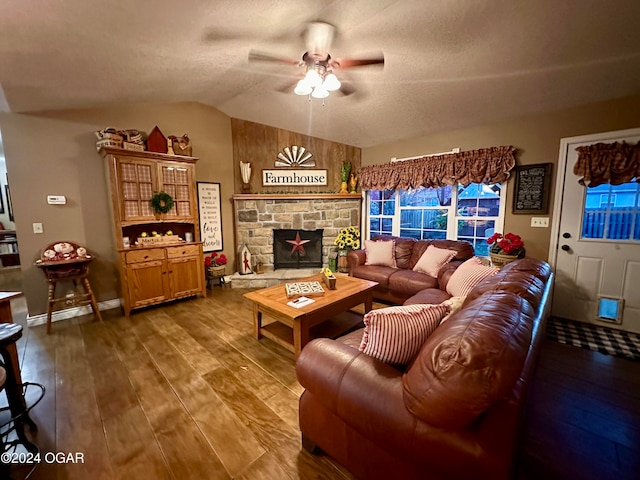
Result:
[{"x": 297, "y": 248}]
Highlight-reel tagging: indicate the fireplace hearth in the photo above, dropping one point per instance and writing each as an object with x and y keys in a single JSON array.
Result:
[{"x": 297, "y": 248}]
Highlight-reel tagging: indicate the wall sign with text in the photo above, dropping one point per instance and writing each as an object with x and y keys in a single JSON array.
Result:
[
  {"x": 209, "y": 210},
  {"x": 532, "y": 188},
  {"x": 285, "y": 178}
]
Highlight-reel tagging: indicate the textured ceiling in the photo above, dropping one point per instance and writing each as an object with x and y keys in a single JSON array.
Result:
[{"x": 448, "y": 63}]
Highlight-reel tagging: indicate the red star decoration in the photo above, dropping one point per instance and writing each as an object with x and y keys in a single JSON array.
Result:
[{"x": 298, "y": 244}]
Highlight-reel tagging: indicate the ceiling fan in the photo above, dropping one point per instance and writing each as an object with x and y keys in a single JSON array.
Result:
[{"x": 319, "y": 67}]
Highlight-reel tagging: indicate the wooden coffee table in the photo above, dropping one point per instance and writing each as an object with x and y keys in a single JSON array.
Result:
[{"x": 292, "y": 326}]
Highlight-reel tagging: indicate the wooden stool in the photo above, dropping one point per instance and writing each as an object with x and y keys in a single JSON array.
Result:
[{"x": 67, "y": 261}]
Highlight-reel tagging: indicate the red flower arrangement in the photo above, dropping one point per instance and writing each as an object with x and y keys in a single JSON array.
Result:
[
  {"x": 509, "y": 244},
  {"x": 215, "y": 260}
]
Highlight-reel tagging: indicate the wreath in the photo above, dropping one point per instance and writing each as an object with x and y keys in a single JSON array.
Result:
[{"x": 161, "y": 202}]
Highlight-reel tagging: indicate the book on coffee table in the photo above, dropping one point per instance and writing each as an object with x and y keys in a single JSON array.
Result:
[{"x": 307, "y": 289}]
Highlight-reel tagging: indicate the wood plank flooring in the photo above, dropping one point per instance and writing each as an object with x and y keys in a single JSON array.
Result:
[{"x": 185, "y": 391}]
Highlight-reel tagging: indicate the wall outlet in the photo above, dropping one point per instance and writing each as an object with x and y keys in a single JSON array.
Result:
[
  {"x": 540, "y": 221},
  {"x": 37, "y": 228}
]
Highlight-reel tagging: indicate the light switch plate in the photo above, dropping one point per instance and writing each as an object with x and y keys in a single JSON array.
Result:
[
  {"x": 56, "y": 199},
  {"x": 540, "y": 222},
  {"x": 37, "y": 228}
]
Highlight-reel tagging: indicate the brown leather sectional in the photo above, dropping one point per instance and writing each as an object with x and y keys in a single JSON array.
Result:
[
  {"x": 396, "y": 285},
  {"x": 456, "y": 411}
]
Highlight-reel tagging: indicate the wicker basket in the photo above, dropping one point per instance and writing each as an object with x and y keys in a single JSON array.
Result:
[
  {"x": 500, "y": 260},
  {"x": 217, "y": 271}
]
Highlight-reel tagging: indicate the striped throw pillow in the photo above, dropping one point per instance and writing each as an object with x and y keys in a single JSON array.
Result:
[
  {"x": 433, "y": 259},
  {"x": 395, "y": 335},
  {"x": 467, "y": 276}
]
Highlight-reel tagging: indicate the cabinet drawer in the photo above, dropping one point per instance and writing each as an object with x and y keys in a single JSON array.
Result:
[
  {"x": 183, "y": 251},
  {"x": 145, "y": 255}
]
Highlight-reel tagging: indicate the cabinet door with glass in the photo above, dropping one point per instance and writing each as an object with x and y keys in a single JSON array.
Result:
[
  {"x": 136, "y": 184},
  {"x": 177, "y": 180}
]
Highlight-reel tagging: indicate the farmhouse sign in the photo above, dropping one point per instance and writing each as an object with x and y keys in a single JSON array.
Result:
[{"x": 285, "y": 178}]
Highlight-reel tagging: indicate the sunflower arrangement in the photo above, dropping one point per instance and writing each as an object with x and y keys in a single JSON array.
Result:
[{"x": 348, "y": 238}]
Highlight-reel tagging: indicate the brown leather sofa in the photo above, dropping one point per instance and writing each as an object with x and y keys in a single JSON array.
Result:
[
  {"x": 395, "y": 285},
  {"x": 456, "y": 411}
]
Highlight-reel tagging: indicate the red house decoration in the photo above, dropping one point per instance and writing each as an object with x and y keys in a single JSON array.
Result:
[{"x": 157, "y": 142}]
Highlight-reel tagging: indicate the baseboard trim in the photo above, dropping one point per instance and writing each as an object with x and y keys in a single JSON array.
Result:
[{"x": 67, "y": 313}]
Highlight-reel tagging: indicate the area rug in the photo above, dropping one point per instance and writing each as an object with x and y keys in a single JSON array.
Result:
[{"x": 594, "y": 337}]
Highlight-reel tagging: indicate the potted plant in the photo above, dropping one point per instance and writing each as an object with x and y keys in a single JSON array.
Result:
[
  {"x": 347, "y": 239},
  {"x": 505, "y": 248}
]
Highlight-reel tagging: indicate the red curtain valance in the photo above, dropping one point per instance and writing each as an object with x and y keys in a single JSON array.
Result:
[
  {"x": 614, "y": 163},
  {"x": 487, "y": 165}
]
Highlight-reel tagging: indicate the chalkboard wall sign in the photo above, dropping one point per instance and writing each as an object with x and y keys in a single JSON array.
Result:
[
  {"x": 210, "y": 217},
  {"x": 532, "y": 189}
]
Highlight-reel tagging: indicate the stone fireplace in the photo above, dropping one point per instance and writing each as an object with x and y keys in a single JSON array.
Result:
[
  {"x": 297, "y": 248},
  {"x": 258, "y": 215}
]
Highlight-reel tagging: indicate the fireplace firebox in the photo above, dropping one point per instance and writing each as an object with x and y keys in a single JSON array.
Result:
[{"x": 297, "y": 248}]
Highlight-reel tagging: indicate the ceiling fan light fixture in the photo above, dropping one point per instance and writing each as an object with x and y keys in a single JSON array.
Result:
[
  {"x": 303, "y": 88},
  {"x": 331, "y": 83},
  {"x": 320, "y": 92}
]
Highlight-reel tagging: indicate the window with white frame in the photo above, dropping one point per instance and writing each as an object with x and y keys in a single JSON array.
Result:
[{"x": 472, "y": 213}]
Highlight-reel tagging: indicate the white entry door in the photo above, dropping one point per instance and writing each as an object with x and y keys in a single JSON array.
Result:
[{"x": 597, "y": 269}]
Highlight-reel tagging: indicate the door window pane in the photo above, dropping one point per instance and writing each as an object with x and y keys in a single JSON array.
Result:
[{"x": 612, "y": 212}]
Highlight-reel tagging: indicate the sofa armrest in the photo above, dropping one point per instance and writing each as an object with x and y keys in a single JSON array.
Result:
[
  {"x": 356, "y": 258},
  {"x": 367, "y": 395},
  {"x": 364, "y": 392},
  {"x": 445, "y": 273}
]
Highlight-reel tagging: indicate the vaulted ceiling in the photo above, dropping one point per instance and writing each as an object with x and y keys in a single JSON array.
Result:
[{"x": 448, "y": 63}]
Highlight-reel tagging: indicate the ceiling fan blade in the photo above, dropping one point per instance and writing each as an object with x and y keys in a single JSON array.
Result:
[
  {"x": 255, "y": 56},
  {"x": 346, "y": 90},
  {"x": 345, "y": 63}
]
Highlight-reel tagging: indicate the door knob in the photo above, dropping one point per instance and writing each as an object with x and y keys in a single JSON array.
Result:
[
  {"x": 566, "y": 235},
  {"x": 566, "y": 248}
]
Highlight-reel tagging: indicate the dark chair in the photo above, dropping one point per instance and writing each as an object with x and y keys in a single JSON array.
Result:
[
  {"x": 12, "y": 430},
  {"x": 67, "y": 261}
]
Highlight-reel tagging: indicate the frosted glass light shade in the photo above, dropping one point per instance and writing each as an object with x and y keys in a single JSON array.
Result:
[
  {"x": 303, "y": 88},
  {"x": 312, "y": 78},
  {"x": 331, "y": 83},
  {"x": 320, "y": 92}
]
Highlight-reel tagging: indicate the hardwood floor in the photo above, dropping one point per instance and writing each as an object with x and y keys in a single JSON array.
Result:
[{"x": 185, "y": 391}]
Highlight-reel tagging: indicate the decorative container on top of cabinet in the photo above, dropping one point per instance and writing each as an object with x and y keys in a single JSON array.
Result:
[{"x": 151, "y": 271}]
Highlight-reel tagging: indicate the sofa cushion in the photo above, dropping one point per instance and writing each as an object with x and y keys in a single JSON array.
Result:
[
  {"x": 409, "y": 282},
  {"x": 428, "y": 295},
  {"x": 433, "y": 259},
  {"x": 467, "y": 276},
  {"x": 380, "y": 253},
  {"x": 470, "y": 361},
  {"x": 395, "y": 335},
  {"x": 375, "y": 273}
]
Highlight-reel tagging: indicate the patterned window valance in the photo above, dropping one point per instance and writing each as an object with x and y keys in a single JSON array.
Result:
[
  {"x": 487, "y": 165},
  {"x": 614, "y": 163}
]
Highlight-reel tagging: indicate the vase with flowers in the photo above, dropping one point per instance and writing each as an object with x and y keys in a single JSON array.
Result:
[
  {"x": 347, "y": 239},
  {"x": 505, "y": 248},
  {"x": 216, "y": 264}
]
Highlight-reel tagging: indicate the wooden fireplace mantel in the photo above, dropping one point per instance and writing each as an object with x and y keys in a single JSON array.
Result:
[{"x": 297, "y": 196}]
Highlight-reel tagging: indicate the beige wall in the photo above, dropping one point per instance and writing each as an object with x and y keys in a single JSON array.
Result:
[
  {"x": 537, "y": 139},
  {"x": 54, "y": 153}
]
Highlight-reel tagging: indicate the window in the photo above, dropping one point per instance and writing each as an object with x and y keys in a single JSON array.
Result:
[
  {"x": 471, "y": 213},
  {"x": 612, "y": 212}
]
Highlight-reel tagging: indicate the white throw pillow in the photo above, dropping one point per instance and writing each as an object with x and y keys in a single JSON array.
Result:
[
  {"x": 433, "y": 259},
  {"x": 467, "y": 276},
  {"x": 395, "y": 335},
  {"x": 380, "y": 253}
]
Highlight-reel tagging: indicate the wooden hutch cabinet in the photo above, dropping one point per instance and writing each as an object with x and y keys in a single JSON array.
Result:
[{"x": 153, "y": 273}]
